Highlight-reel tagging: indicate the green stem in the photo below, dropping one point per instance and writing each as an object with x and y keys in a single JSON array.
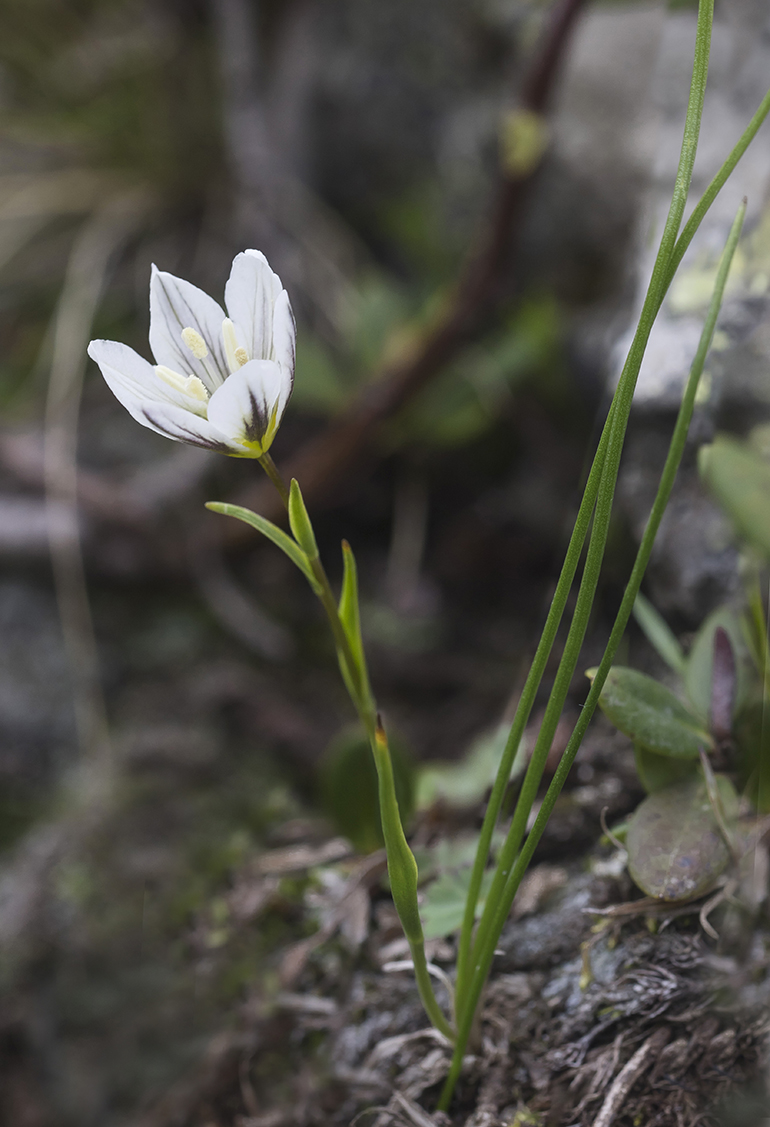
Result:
[
  {"x": 272, "y": 471},
  {"x": 526, "y": 702},
  {"x": 659, "y": 284},
  {"x": 402, "y": 870},
  {"x": 425, "y": 989},
  {"x": 361, "y": 696},
  {"x": 716, "y": 185},
  {"x": 485, "y": 947},
  {"x": 615, "y": 429},
  {"x": 668, "y": 476},
  {"x": 758, "y": 639},
  {"x": 402, "y": 867}
]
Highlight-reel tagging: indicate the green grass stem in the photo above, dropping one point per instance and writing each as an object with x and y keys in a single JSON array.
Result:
[{"x": 606, "y": 466}]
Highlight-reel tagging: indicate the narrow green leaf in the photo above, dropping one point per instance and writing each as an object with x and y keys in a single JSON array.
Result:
[
  {"x": 676, "y": 850},
  {"x": 402, "y": 867},
  {"x": 300, "y": 522},
  {"x": 272, "y": 532},
  {"x": 349, "y": 611},
  {"x": 739, "y": 479},
  {"x": 659, "y": 634},
  {"x": 650, "y": 714}
]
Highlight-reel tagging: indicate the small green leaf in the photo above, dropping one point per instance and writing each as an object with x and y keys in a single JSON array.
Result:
[
  {"x": 659, "y": 634},
  {"x": 350, "y": 615},
  {"x": 675, "y": 848},
  {"x": 299, "y": 520},
  {"x": 739, "y": 478},
  {"x": 650, "y": 714},
  {"x": 699, "y": 667},
  {"x": 272, "y": 532},
  {"x": 465, "y": 782},
  {"x": 658, "y": 771},
  {"x": 443, "y": 902}
]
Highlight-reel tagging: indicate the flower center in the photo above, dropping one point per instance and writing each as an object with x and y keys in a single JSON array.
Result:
[
  {"x": 195, "y": 343},
  {"x": 188, "y": 385},
  {"x": 236, "y": 355}
]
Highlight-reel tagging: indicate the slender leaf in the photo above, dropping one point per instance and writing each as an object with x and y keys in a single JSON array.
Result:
[
  {"x": 272, "y": 532},
  {"x": 299, "y": 520},
  {"x": 349, "y": 611},
  {"x": 659, "y": 634}
]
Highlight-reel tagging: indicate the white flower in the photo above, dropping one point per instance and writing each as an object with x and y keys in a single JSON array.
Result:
[{"x": 219, "y": 381}]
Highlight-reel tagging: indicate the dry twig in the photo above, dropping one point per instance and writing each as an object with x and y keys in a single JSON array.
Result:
[{"x": 628, "y": 1075}]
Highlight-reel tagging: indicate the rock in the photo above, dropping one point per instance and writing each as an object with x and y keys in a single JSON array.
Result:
[{"x": 694, "y": 565}]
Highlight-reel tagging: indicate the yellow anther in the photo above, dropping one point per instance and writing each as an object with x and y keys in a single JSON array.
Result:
[
  {"x": 236, "y": 355},
  {"x": 188, "y": 385},
  {"x": 195, "y": 343}
]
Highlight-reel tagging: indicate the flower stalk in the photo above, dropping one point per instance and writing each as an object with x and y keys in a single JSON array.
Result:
[
  {"x": 344, "y": 620},
  {"x": 222, "y": 380}
]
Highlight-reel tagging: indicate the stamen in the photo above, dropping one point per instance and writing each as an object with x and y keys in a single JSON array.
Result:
[
  {"x": 236, "y": 355},
  {"x": 195, "y": 343},
  {"x": 188, "y": 385}
]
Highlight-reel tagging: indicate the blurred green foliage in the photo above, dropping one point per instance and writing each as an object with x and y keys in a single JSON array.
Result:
[
  {"x": 348, "y": 787},
  {"x": 124, "y": 86},
  {"x": 468, "y": 396}
]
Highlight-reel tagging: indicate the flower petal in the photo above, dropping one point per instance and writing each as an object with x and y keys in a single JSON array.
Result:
[
  {"x": 244, "y": 408},
  {"x": 284, "y": 345},
  {"x": 250, "y": 296},
  {"x": 176, "y": 305},
  {"x": 134, "y": 381},
  {"x": 174, "y": 422}
]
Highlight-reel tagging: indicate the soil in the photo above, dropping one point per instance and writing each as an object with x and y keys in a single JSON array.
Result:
[{"x": 589, "y": 1020}]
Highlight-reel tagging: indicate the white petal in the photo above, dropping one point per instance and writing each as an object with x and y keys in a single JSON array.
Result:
[
  {"x": 174, "y": 422},
  {"x": 250, "y": 296},
  {"x": 176, "y": 305},
  {"x": 284, "y": 343},
  {"x": 243, "y": 408},
  {"x": 134, "y": 382},
  {"x": 130, "y": 382}
]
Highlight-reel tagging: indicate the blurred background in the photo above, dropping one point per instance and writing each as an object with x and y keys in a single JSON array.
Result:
[{"x": 458, "y": 195}]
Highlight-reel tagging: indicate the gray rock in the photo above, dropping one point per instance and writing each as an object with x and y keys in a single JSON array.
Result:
[
  {"x": 694, "y": 566},
  {"x": 738, "y": 77}
]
